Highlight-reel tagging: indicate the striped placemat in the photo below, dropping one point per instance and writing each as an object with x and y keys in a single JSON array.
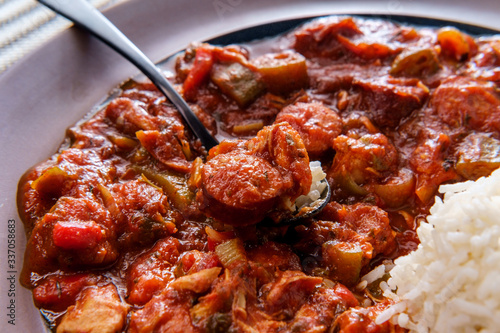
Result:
[{"x": 26, "y": 24}]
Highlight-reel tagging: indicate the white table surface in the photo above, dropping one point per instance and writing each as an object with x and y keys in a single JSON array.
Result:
[{"x": 26, "y": 25}]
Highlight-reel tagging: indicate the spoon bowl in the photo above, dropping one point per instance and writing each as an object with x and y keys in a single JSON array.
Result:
[{"x": 312, "y": 209}]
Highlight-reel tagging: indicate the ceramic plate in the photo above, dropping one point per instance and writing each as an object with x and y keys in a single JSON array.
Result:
[{"x": 59, "y": 83}]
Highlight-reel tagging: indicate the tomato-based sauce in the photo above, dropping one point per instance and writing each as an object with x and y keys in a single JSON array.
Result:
[{"x": 134, "y": 227}]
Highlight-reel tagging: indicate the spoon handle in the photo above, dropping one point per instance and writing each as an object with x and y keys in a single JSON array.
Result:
[{"x": 86, "y": 16}]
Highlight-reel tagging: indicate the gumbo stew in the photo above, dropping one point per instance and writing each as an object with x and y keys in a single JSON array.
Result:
[{"x": 133, "y": 227}]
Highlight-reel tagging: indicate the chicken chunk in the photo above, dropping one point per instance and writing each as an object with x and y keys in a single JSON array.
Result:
[
  {"x": 360, "y": 161},
  {"x": 151, "y": 272},
  {"x": 98, "y": 310}
]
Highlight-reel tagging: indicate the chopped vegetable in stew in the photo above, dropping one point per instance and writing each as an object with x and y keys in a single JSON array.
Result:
[{"x": 134, "y": 227}]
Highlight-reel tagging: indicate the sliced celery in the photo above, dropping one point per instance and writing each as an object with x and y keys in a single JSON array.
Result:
[
  {"x": 479, "y": 155},
  {"x": 237, "y": 81},
  {"x": 174, "y": 186}
]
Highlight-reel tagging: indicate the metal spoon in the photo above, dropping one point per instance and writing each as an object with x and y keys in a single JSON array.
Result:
[
  {"x": 86, "y": 16},
  {"x": 313, "y": 209}
]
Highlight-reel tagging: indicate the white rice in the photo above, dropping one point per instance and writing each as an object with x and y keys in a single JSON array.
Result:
[
  {"x": 317, "y": 187},
  {"x": 451, "y": 283}
]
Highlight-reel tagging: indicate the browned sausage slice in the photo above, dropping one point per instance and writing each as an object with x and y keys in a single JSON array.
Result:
[{"x": 238, "y": 188}]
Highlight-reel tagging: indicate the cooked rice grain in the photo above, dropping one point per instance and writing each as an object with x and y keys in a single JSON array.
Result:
[
  {"x": 451, "y": 283},
  {"x": 317, "y": 187}
]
